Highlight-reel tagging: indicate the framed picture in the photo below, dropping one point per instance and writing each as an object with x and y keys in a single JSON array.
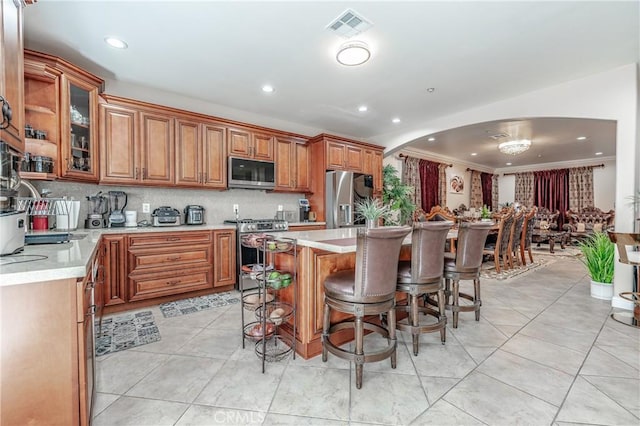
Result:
[{"x": 456, "y": 184}]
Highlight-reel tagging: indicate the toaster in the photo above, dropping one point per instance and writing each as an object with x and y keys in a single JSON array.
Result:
[
  {"x": 194, "y": 215},
  {"x": 165, "y": 216}
]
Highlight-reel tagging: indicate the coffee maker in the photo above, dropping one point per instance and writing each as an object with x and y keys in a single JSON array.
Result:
[
  {"x": 98, "y": 207},
  {"x": 117, "y": 201},
  {"x": 12, "y": 221},
  {"x": 304, "y": 209}
]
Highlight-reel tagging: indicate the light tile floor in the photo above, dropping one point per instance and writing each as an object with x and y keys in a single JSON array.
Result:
[{"x": 543, "y": 353}]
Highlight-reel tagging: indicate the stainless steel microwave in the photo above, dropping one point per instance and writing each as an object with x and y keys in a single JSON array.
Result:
[{"x": 251, "y": 174}]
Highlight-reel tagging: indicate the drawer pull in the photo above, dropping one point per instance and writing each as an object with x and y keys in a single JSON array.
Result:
[
  {"x": 173, "y": 259},
  {"x": 173, "y": 282},
  {"x": 173, "y": 239}
]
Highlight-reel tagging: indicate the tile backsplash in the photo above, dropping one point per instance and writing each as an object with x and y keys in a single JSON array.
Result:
[{"x": 255, "y": 204}]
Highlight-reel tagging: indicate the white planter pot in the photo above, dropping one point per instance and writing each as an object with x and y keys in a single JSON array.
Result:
[{"x": 601, "y": 291}]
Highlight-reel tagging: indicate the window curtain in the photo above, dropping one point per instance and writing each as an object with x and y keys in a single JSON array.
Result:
[
  {"x": 411, "y": 176},
  {"x": 487, "y": 185},
  {"x": 552, "y": 191},
  {"x": 580, "y": 188},
  {"x": 429, "y": 184},
  {"x": 494, "y": 193},
  {"x": 475, "y": 200},
  {"x": 442, "y": 179},
  {"x": 525, "y": 185}
]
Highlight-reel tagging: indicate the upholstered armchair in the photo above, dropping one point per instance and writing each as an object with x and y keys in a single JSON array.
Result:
[{"x": 546, "y": 219}]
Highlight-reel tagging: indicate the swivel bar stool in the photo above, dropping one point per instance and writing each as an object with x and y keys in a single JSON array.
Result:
[
  {"x": 369, "y": 289},
  {"x": 465, "y": 264},
  {"x": 422, "y": 275}
]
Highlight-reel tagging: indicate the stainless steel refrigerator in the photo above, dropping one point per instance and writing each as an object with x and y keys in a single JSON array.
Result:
[{"x": 343, "y": 190}]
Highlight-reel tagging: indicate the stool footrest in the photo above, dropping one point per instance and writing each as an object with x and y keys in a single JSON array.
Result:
[{"x": 374, "y": 356}]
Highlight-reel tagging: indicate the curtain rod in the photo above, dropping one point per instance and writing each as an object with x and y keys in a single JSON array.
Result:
[
  {"x": 401, "y": 155},
  {"x": 597, "y": 166}
]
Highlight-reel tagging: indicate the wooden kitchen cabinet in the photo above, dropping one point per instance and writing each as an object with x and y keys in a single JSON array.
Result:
[
  {"x": 247, "y": 144},
  {"x": 200, "y": 154},
  {"x": 293, "y": 173},
  {"x": 115, "y": 269},
  {"x": 344, "y": 156},
  {"x": 11, "y": 71},
  {"x": 157, "y": 146},
  {"x": 224, "y": 266},
  {"x": 373, "y": 166}
]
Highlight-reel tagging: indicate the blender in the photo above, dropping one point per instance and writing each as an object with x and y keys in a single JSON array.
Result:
[
  {"x": 12, "y": 221},
  {"x": 98, "y": 207},
  {"x": 117, "y": 201}
]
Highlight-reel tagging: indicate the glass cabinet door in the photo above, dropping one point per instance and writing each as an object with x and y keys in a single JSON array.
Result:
[{"x": 79, "y": 146}]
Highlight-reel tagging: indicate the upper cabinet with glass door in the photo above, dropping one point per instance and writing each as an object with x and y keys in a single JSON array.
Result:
[{"x": 79, "y": 142}]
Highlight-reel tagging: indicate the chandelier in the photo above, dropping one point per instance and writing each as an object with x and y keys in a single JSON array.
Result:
[{"x": 515, "y": 147}]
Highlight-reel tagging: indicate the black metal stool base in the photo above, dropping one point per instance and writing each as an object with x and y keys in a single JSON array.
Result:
[{"x": 626, "y": 318}]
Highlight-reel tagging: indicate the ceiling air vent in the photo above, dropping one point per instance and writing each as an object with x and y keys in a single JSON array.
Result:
[
  {"x": 499, "y": 136},
  {"x": 349, "y": 24}
]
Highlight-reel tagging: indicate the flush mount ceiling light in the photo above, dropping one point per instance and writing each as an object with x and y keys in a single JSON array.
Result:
[
  {"x": 115, "y": 42},
  {"x": 267, "y": 88},
  {"x": 353, "y": 53},
  {"x": 515, "y": 147}
]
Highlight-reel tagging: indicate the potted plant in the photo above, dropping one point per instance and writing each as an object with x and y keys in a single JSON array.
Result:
[
  {"x": 598, "y": 256},
  {"x": 372, "y": 210},
  {"x": 485, "y": 214},
  {"x": 398, "y": 196}
]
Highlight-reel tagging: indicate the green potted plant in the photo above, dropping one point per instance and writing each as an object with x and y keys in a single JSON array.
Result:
[
  {"x": 372, "y": 210},
  {"x": 485, "y": 214},
  {"x": 398, "y": 196},
  {"x": 598, "y": 256}
]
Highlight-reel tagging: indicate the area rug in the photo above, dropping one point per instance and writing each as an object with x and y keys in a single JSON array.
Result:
[
  {"x": 488, "y": 270},
  {"x": 126, "y": 331},
  {"x": 568, "y": 251},
  {"x": 197, "y": 304}
]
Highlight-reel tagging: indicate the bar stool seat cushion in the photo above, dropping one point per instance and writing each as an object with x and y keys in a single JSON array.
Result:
[{"x": 341, "y": 285}]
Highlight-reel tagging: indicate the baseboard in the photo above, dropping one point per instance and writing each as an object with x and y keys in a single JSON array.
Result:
[{"x": 619, "y": 302}]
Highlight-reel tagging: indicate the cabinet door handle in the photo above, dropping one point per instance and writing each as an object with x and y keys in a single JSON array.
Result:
[
  {"x": 136, "y": 174},
  {"x": 173, "y": 282},
  {"x": 205, "y": 177},
  {"x": 173, "y": 259},
  {"x": 173, "y": 238},
  {"x": 144, "y": 173}
]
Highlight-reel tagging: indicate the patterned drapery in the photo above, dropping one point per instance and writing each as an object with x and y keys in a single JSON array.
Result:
[
  {"x": 487, "y": 186},
  {"x": 525, "y": 189},
  {"x": 442, "y": 183},
  {"x": 411, "y": 176},
  {"x": 476, "y": 190},
  {"x": 580, "y": 188},
  {"x": 494, "y": 193}
]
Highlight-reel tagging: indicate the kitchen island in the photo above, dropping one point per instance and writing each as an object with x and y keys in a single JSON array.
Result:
[{"x": 320, "y": 253}]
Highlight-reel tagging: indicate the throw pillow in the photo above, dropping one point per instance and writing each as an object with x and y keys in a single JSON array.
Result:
[
  {"x": 544, "y": 224},
  {"x": 580, "y": 227},
  {"x": 597, "y": 227}
]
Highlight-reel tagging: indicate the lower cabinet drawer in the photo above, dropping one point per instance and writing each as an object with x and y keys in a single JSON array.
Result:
[
  {"x": 173, "y": 238},
  {"x": 140, "y": 259},
  {"x": 157, "y": 284}
]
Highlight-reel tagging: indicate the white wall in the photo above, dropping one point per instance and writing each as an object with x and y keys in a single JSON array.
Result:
[{"x": 611, "y": 95}]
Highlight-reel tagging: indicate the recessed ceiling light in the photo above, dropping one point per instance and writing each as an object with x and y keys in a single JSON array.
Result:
[
  {"x": 581, "y": 138},
  {"x": 598, "y": 153},
  {"x": 539, "y": 155},
  {"x": 116, "y": 42},
  {"x": 353, "y": 53},
  {"x": 362, "y": 108},
  {"x": 431, "y": 139},
  {"x": 508, "y": 164},
  {"x": 474, "y": 154},
  {"x": 431, "y": 89},
  {"x": 395, "y": 120},
  {"x": 267, "y": 88}
]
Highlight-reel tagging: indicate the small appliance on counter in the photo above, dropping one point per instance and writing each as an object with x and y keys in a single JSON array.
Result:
[
  {"x": 98, "y": 207},
  {"x": 12, "y": 219},
  {"x": 304, "y": 210},
  {"x": 130, "y": 218},
  {"x": 117, "y": 201},
  {"x": 194, "y": 215},
  {"x": 165, "y": 216}
]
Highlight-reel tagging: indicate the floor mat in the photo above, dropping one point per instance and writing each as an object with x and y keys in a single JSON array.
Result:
[
  {"x": 197, "y": 304},
  {"x": 488, "y": 269},
  {"x": 126, "y": 331}
]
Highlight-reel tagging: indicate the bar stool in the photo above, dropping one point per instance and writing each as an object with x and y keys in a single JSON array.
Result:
[
  {"x": 465, "y": 264},
  {"x": 422, "y": 275},
  {"x": 369, "y": 289}
]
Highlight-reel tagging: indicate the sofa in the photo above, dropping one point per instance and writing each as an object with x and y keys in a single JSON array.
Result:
[{"x": 583, "y": 223}]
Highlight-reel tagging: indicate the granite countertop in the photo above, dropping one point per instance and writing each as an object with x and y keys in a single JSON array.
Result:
[{"x": 45, "y": 262}]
